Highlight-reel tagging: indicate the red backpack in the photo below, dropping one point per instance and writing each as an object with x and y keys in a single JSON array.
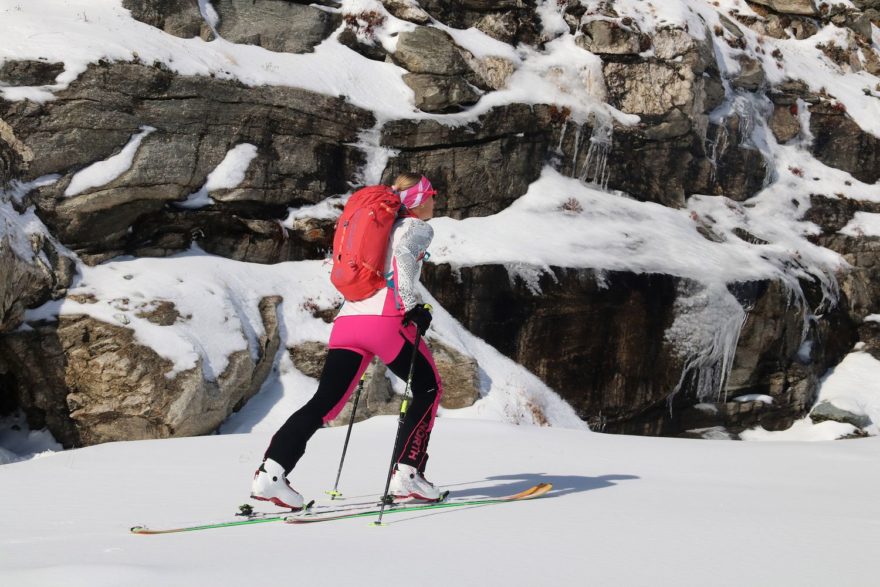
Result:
[{"x": 360, "y": 242}]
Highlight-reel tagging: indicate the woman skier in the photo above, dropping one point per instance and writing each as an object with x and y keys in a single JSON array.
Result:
[{"x": 382, "y": 325}]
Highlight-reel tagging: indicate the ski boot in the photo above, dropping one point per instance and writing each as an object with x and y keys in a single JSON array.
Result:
[
  {"x": 408, "y": 484},
  {"x": 270, "y": 484}
]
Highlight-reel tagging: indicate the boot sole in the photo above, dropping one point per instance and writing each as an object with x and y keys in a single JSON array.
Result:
[
  {"x": 276, "y": 501},
  {"x": 414, "y": 497}
]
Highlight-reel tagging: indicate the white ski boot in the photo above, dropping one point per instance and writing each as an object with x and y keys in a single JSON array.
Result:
[
  {"x": 270, "y": 484},
  {"x": 407, "y": 483}
]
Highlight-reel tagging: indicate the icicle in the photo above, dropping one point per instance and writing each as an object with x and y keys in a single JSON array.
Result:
[
  {"x": 559, "y": 150},
  {"x": 806, "y": 138},
  {"x": 706, "y": 332},
  {"x": 717, "y": 148},
  {"x": 377, "y": 156},
  {"x": 209, "y": 15},
  {"x": 746, "y": 114},
  {"x": 595, "y": 169}
]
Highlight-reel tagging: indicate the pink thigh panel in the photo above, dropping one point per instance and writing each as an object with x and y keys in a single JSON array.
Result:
[
  {"x": 376, "y": 335},
  {"x": 384, "y": 337}
]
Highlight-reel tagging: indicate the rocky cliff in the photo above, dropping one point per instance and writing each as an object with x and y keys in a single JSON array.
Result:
[{"x": 646, "y": 202}]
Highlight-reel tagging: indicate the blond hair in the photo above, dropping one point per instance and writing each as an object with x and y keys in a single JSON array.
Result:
[{"x": 406, "y": 180}]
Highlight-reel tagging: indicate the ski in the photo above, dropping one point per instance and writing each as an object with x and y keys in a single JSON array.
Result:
[
  {"x": 324, "y": 516},
  {"x": 226, "y": 524},
  {"x": 249, "y": 516},
  {"x": 245, "y": 511},
  {"x": 318, "y": 513}
]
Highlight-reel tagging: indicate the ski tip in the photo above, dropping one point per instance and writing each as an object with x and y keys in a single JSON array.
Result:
[{"x": 541, "y": 489}]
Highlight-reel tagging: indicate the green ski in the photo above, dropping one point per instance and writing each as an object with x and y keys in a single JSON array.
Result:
[
  {"x": 340, "y": 511},
  {"x": 248, "y": 516},
  {"x": 246, "y": 511}
]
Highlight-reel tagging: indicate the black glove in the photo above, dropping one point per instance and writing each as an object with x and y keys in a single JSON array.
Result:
[{"x": 420, "y": 316}]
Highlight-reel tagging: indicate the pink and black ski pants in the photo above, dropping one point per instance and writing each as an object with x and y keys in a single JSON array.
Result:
[{"x": 354, "y": 341}]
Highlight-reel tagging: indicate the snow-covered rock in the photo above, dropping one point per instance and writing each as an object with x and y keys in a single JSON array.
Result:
[
  {"x": 803, "y": 7},
  {"x": 275, "y": 25},
  {"x": 827, "y": 411}
]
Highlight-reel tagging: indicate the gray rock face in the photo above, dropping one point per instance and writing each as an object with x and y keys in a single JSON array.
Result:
[
  {"x": 429, "y": 50},
  {"x": 13, "y": 154},
  {"x": 371, "y": 51},
  {"x": 617, "y": 380},
  {"x": 782, "y": 26},
  {"x": 407, "y": 10},
  {"x": 304, "y": 148},
  {"x": 654, "y": 88},
  {"x": 478, "y": 169},
  {"x": 227, "y": 234},
  {"x": 606, "y": 37},
  {"x": 29, "y": 73},
  {"x": 804, "y": 7},
  {"x": 825, "y": 411},
  {"x": 664, "y": 159},
  {"x": 438, "y": 93},
  {"x": 869, "y": 334},
  {"x": 741, "y": 415},
  {"x": 91, "y": 382},
  {"x": 861, "y": 284},
  {"x": 444, "y": 76},
  {"x": 22, "y": 286},
  {"x": 277, "y": 25},
  {"x": 500, "y": 26},
  {"x": 841, "y": 143},
  {"x": 679, "y": 152},
  {"x": 578, "y": 322},
  {"x": 770, "y": 359},
  {"x": 308, "y": 357},
  {"x": 671, "y": 42},
  {"x": 176, "y": 17},
  {"x": 489, "y": 73},
  {"x": 33, "y": 270},
  {"x": 751, "y": 75},
  {"x": 505, "y": 20},
  {"x": 784, "y": 124}
]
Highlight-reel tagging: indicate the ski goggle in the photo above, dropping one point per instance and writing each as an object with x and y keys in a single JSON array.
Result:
[{"x": 417, "y": 194}]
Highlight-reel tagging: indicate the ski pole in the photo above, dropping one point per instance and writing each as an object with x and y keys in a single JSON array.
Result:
[
  {"x": 357, "y": 396},
  {"x": 403, "y": 407}
]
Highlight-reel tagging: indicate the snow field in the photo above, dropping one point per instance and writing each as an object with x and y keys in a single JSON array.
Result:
[{"x": 624, "y": 511}]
